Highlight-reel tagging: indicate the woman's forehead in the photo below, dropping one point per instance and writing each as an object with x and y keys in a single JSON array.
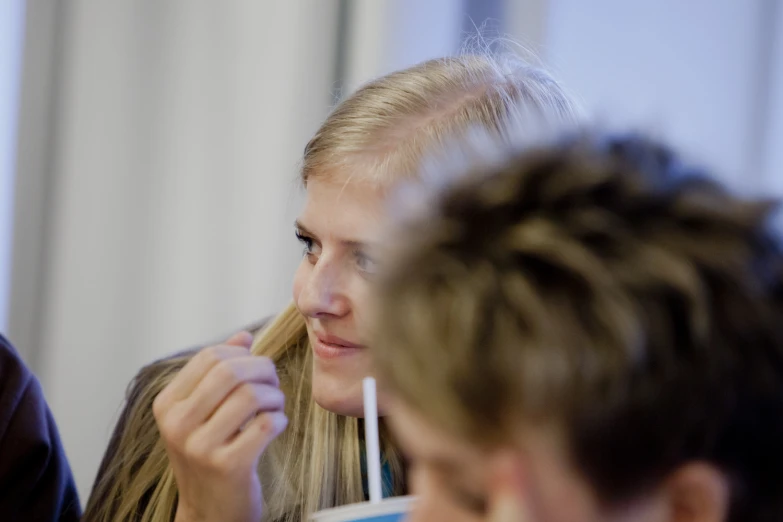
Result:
[{"x": 343, "y": 207}]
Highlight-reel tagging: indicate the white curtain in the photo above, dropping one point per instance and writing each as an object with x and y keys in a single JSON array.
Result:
[
  {"x": 160, "y": 175},
  {"x": 11, "y": 39}
]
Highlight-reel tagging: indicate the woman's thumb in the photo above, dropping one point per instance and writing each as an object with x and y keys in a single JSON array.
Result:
[{"x": 244, "y": 339}]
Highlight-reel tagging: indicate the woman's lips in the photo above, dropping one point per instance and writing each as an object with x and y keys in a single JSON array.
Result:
[{"x": 330, "y": 346}]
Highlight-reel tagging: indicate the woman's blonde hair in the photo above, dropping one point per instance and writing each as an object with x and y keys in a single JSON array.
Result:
[{"x": 384, "y": 128}]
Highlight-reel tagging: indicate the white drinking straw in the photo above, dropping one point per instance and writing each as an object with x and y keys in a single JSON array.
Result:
[{"x": 371, "y": 440}]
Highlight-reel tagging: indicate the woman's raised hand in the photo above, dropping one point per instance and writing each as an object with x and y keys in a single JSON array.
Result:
[{"x": 216, "y": 418}]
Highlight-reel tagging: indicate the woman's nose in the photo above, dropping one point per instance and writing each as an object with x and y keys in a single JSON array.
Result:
[{"x": 323, "y": 293}]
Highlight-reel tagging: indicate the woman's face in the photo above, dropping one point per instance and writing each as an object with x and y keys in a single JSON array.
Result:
[{"x": 338, "y": 229}]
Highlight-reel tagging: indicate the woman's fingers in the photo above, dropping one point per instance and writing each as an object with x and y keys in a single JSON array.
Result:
[
  {"x": 173, "y": 414},
  {"x": 208, "y": 417},
  {"x": 243, "y": 338},
  {"x": 221, "y": 381},
  {"x": 188, "y": 378},
  {"x": 245, "y": 447},
  {"x": 240, "y": 407},
  {"x": 254, "y": 438}
]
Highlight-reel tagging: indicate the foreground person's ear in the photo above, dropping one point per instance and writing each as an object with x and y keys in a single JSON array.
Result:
[
  {"x": 698, "y": 492},
  {"x": 507, "y": 496}
]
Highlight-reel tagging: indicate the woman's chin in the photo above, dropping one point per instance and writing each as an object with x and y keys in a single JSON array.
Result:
[{"x": 340, "y": 396}]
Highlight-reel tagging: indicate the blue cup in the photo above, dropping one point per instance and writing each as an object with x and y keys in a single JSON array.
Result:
[{"x": 389, "y": 510}]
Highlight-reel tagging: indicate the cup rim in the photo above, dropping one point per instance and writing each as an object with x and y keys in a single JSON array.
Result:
[{"x": 388, "y": 506}]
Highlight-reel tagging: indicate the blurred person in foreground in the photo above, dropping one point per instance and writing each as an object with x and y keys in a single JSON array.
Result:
[
  {"x": 35, "y": 479},
  {"x": 585, "y": 331},
  {"x": 268, "y": 427}
]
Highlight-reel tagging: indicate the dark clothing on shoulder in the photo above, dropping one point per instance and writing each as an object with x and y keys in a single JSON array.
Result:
[{"x": 35, "y": 479}]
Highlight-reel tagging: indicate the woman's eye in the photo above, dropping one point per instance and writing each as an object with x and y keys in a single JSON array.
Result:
[{"x": 307, "y": 242}]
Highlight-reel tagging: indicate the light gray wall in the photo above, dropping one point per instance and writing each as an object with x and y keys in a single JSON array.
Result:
[
  {"x": 689, "y": 71},
  {"x": 773, "y": 144}
]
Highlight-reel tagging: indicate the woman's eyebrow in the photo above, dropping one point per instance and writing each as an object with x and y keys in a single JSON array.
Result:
[
  {"x": 303, "y": 229},
  {"x": 358, "y": 244},
  {"x": 355, "y": 243}
]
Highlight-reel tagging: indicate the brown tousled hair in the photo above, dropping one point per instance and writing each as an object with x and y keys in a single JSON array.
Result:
[{"x": 602, "y": 284}]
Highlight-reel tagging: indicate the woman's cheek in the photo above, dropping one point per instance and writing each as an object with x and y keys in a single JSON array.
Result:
[
  {"x": 361, "y": 301},
  {"x": 300, "y": 279}
]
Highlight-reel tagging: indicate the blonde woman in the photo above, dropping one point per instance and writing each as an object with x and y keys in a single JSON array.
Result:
[{"x": 268, "y": 428}]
